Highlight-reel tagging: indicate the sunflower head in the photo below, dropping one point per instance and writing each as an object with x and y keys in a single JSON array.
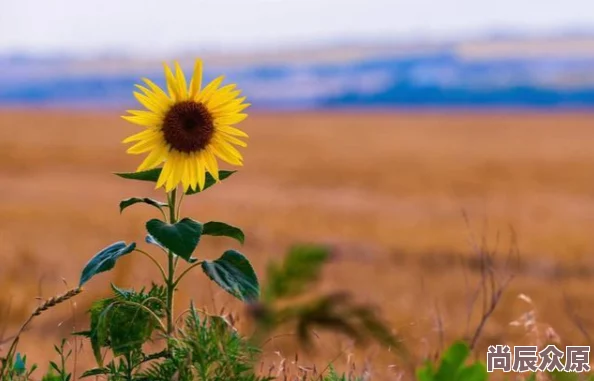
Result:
[{"x": 187, "y": 127}]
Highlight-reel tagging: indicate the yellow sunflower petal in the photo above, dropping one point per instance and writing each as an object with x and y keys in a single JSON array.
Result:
[
  {"x": 150, "y": 103},
  {"x": 177, "y": 171},
  {"x": 193, "y": 171},
  {"x": 196, "y": 82},
  {"x": 231, "y": 119},
  {"x": 232, "y": 139},
  {"x": 182, "y": 85},
  {"x": 210, "y": 161},
  {"x": 232, "y": 107},
  {"x": 171, "y": 84},
  {"x": 222, "y": 98},
  {"x": 165, "y": 173},
  {"x": 153, "y": 159},
  {"x": 225, "y": 90},
  {"x": 205, "y": 94},
  {"x": 185, "y": 178},
  {"x": 159, "y": 93},
  {"x": 201, "y": 171},
  {"x": 143, "y": 113},
  {"x": 227, "y": 152},
  {"x": 146, "y": 121},
  {"x": 146, "y": 134},
  {"x": 231, "y": 131},
  {"x": 142, "y": 147},
  {"x": 229, "y": 149}
]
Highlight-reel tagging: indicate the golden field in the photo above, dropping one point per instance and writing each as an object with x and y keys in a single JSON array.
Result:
[{"x": 402, "y": 197}]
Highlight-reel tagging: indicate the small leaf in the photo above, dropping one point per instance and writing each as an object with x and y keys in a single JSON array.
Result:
[
  {"x": 98, "y": 328},
  {"x": 135, "y": 200},
  {"x": 151, "y": 175},
  {"x": 95, "y": 372},
  {"x": 20, "y": 364},
  {"x": 181, "y": 238},
  {"x": 215, "y": 228},
  {"x": 234, "y": 273},
  {"x": 55, "y": 366},
  {"x": 105, "y": 260},
  {"x": 210, "y": 181}
]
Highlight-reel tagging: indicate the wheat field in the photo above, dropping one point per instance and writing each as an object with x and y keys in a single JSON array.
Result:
[{"x": 406, "y": 199}]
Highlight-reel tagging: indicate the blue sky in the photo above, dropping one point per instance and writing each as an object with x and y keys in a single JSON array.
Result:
[{"x": 168, "y": 26}]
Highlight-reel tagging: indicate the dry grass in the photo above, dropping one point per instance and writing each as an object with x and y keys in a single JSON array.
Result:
[{"x": 388, "y": 189}]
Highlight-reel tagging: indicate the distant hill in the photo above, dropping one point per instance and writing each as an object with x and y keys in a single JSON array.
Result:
[{"x": 553, "y": 73}]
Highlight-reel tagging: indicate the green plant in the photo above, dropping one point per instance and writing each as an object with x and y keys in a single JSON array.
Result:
[
  {"x": 292, "y": 279},
  {"x": 452, "y": 367},
  {"x": 186, "y": 129},
  {"x": 60, "y": 368}
]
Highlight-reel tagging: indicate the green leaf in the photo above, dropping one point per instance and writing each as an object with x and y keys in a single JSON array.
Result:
[
  {"x": 130, "y": 326},
  {"x": 95, "y": 372},
  {"x": 54, "y": 366},
  {"x": 425, "y": 372},
  {"x": 452, "y": 361},
  {"x": 300, "y": 269},
  {"x": 181, "y": 238},
  {"x": 105, "y": 260},
  {"x": 474, "y": 372},
  {"x": 125, "y": 322},
  {"x": 234, "y": 273},
  {"x": 215, "y": 228},
  {"x": 98, "y": 330},
  {"x": 151, "y": 175},
  {"x": 19, "y": 365},
  {"x": 150, "y": 239},
  {"x": 210, "y": 181},
  {"x": 135, "y": 200}
]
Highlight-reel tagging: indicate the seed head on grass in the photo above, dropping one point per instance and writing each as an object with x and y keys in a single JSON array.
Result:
[
  {"x": 55, "y": 300},
  {"x": 46, "y": 305}
]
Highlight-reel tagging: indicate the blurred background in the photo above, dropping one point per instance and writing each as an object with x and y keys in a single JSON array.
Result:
[{"x": 420, "y": 140}]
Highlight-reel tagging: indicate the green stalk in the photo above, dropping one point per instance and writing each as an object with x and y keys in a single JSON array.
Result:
[{"x": 171, "y": 266}]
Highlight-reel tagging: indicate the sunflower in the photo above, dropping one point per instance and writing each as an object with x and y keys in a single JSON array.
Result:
[{"x": 187, "y": 128}]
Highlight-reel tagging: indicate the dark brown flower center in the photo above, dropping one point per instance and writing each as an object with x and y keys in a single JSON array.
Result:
[{"x": 188, "y": 126}]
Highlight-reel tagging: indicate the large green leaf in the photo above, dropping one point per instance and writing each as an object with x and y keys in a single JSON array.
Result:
[
  {"x": 105, "y": 260},
  {"x": 136, "y": 200},
  {"x": 234, "y": 273},
  {"x": 210, "y": 181},
  {"x": 215, "y": 228},
  {"x": 152, "y": 175},
  {"x": 150, "y": 239},
  {"x": 181, "y": 238}
]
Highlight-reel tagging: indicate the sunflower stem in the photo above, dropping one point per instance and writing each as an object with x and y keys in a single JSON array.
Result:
[{"x": 171, "y": 268}]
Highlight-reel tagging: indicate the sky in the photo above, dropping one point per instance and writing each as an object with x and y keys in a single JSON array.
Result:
[{"x": 167, "y": 26}]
